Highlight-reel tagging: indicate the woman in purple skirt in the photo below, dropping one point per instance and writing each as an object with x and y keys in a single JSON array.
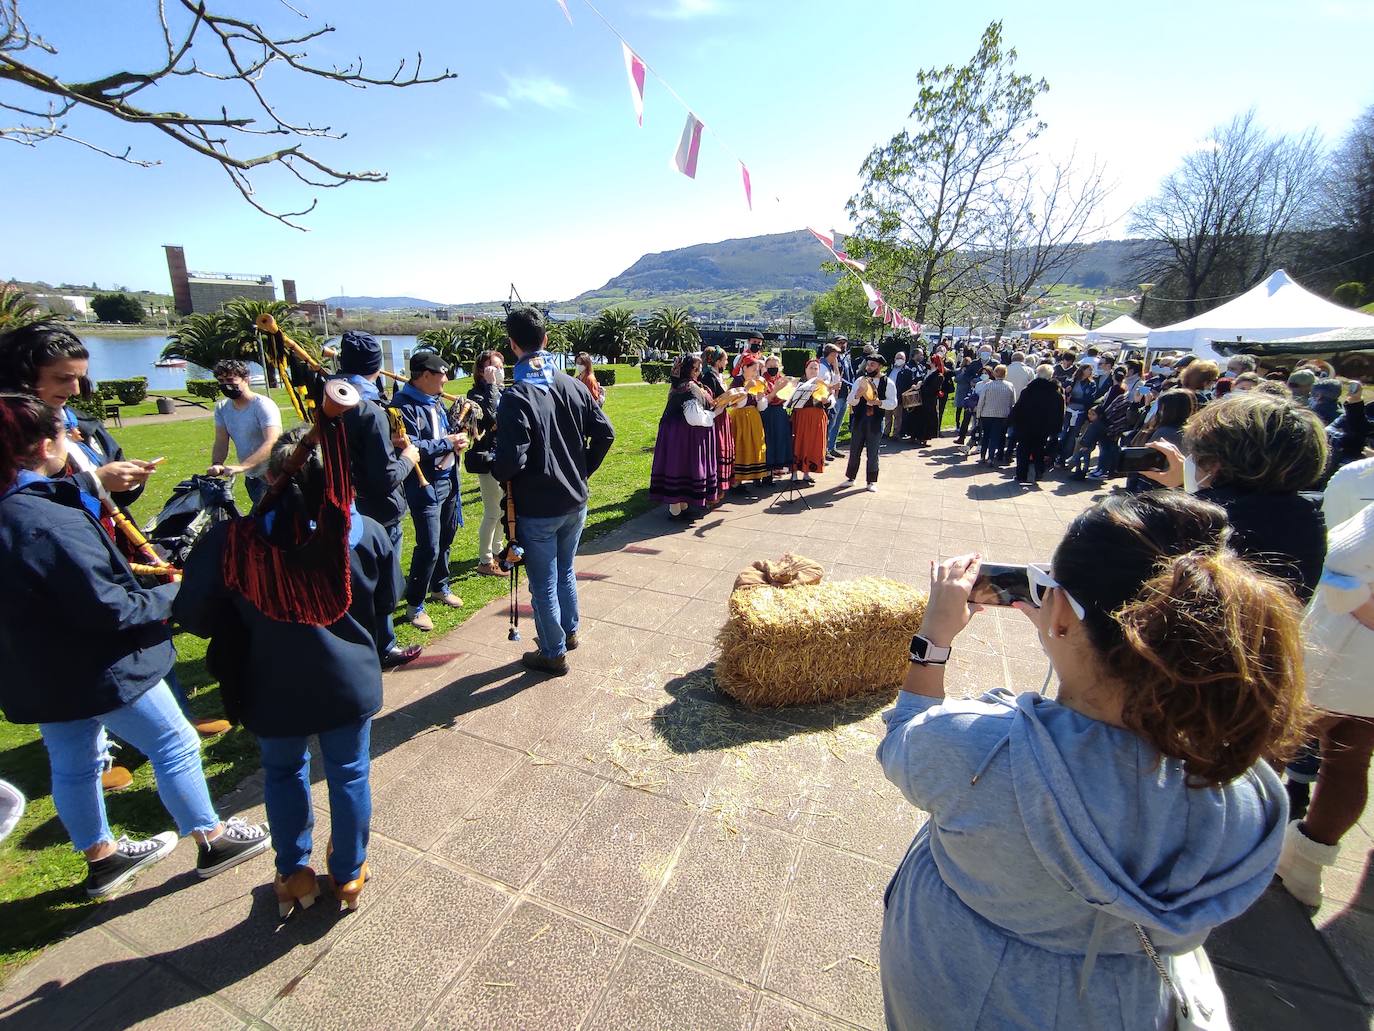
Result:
[{"x": 686, "y": 469}]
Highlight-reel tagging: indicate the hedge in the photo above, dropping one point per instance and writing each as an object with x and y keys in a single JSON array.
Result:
[
  {"x": 208, "y": 389},
  {"x": 129, "y": 391},
  {"x": 605, "y": 374},
  {"x": 794, "y": 360},
  {"x": 655, "y": 372}
]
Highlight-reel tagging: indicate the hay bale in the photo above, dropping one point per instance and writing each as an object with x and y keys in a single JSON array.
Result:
[{"x": 817, "y": 642}]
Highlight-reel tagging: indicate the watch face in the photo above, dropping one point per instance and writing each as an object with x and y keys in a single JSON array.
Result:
[{"x": 919, "y": 647}]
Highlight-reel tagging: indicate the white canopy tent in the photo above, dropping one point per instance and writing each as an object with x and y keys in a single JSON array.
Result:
[
  {"x": 1277, "y": 309},
  {"x": 1122, "y": 329}
]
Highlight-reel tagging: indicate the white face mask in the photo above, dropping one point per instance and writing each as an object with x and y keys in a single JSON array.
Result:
[{"x": 1190, "y": 483}]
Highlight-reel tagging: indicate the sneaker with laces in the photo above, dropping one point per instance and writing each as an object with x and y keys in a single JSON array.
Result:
[
  {"x": 872, "y": 488},
  {"x": 450, "y": 599},
  {"x": 846, "y": 483},
  {"x": 103, "y": 876},
  {"x": 418, "y": 618},
  {"x": 238, "y": 841}
]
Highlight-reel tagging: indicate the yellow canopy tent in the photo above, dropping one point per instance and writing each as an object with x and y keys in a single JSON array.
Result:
[{"x": 1064, "y": 326}]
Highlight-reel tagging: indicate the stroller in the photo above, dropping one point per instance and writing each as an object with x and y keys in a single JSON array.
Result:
[{"x": 195, "y": 505}]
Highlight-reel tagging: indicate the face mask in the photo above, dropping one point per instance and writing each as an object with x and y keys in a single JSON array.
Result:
[
  {"x": 1190, "y": 483},
  {"x": 984, "y": 377},
  {"x": 229, "y": 391}
]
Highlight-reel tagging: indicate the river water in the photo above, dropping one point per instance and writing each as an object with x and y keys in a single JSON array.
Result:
[{"x": 126, "y": 357}]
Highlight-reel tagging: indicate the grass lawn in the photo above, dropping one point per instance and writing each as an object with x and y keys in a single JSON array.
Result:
[{"x": 40, "y": 875}]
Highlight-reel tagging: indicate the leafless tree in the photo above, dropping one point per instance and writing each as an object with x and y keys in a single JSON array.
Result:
[
  {"x": 1348, "y": 201},
  {"x": 202, "y": 46},
  {"x": 1039, "y": 222},
  {"x": 1227, "y": 213}
]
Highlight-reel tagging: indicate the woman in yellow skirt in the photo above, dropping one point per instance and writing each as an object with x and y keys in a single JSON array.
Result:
[
  {"x": 810, "y": 404},
  {"x": 751, "y": 462}
]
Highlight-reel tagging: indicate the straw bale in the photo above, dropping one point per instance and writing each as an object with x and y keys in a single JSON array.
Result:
[{"x": 813, "y": 643}]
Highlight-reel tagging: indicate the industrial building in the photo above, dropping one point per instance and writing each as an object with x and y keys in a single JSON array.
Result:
[{"x": 208, "y": 291}]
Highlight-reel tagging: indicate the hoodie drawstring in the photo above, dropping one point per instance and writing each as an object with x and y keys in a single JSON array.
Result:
[
  {"x": 990, "y": 756},
  {"x": 1090, "y": 959}
]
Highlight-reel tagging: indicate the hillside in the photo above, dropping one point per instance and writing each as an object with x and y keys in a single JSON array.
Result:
[{"x": 380, "y": 303}]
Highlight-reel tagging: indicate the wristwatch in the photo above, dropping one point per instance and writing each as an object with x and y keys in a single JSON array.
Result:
[{"x": 923, "y": 653}]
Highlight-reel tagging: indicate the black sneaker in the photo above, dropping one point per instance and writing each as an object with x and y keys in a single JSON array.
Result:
[
  {"x": 129, "y": 856},
  {"x": 541, "y": 663},
  {"x": 237, "y": 842}
]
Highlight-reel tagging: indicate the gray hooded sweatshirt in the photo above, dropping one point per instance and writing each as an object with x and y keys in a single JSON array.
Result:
[{"x": 1050, "y": 835}]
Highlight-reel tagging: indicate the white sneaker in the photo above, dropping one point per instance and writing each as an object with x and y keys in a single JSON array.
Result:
[
  {"x": 1300, "y": 865},
  {"x": 846, "y": 483},
  {"x": 872, "y": 488}
]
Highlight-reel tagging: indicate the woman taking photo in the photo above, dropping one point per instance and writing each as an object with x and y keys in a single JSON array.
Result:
[
  {"x": 488, "y": 375},
  {"x": 85, "y": 649},
  {"x": 1136, "y": 804}
]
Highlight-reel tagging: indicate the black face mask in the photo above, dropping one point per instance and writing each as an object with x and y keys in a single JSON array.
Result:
[{"x": 230, "y": 391}]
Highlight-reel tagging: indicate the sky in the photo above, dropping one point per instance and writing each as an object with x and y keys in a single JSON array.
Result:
[{"x": 528, "y": 168}]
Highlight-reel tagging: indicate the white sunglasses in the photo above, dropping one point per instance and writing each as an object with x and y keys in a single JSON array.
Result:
[{"x": 1041, "y": 580}]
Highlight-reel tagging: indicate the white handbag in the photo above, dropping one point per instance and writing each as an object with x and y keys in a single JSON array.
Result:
[{"x": 1198, "y": 1002}]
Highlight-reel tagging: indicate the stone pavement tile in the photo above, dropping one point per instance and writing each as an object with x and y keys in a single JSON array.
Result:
[
  {"x": 999, "y": 537},
  {"x": 721, "y": 902},
  {"x": 951, "y": 547},
  {"x": 1248, "y": 942},
  {"x": 648, "y": 610},
  {"x": 413, "y": 679},
  {"x": 711, "y": 556},
  {"x": 1263, "y": 1004},
  {"x": 651, "y": 993},
  {"x": 719, "y": 586},
  {"x": 69, "y": 982},
  {"x": 664, "y": 656},
  {"x": 616, "y": 856},
  {"x": 826, "y": 955},
  {"x": 867, "y": 542},
  {"x": 861, "y": 811},
  {"x": 853, "y": 569},
  {"x": 542, "y": 970},
  {"x": 424, "y": 801},
  {"x": 778, "y": 782},
  {"x": 699, "y": 620},
  {"x": 775, "y": 1015},
  {"x": 512, "y": 830},
  {"x": 993, "y": 515},
  {"x": 629, "y": 570},
  {"x": 1350, "y": 882},
  {"x": 594, "y": 600},
  {"x": 392, "y": 967},
  {"x": 526, "y": 707},
  {"x": 875, "y": 520},
  {"x": 1350, "y": 934},
  {"x": 162, "y": 1001}
]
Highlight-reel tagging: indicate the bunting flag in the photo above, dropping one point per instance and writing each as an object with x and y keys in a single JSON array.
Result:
[
  {"x": 566, "y": 13},
  {"x": 689, "y": 147},
  {"x": 748, "y": 186},
  {"x": 853, "y": 263},
  {"x": 875, "y": 299},
  {"x": 634, "y": 68},
  {"x": 826, "y": 242}
]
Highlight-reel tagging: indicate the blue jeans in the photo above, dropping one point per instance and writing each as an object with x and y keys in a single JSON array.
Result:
[
  {"x": 550, "y": 544},
  {"x": 1108, "y": 454},
  {"x": 256, "y": 487},
  {"x": 154, "y": 725},
  {"x": 437, "y": 515},
  {"x": 836, "y": 418},
  {"x": 286, "y": 790},
  {"x": 994, "y": 437},
  {"x": 387, "y": 639}
]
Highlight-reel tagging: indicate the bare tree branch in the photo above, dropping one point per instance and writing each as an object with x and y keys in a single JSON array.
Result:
[{"x": 200, "y": 44}]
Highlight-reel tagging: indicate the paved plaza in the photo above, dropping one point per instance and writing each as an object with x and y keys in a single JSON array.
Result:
[{"x": 625, "y": 848}]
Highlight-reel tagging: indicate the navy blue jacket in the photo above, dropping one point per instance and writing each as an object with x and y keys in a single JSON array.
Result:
[
  {"x": 379, "y": 474},
  {"x": 422, "y": 435},
  {"x": 98, "y": 439},
  {"x": 549, "y": 440},
  {"x": 297, "y": 679},
  {"x": 79, "y": 636}
]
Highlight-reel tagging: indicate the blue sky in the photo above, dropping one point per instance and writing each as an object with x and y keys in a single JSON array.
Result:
[{"x": 529, "y": 167}]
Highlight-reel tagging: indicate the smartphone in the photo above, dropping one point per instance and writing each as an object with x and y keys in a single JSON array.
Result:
[
  {"x": 157, "y": 461},
  {"x": 1000, "y": 585},
  {"x": 1141, "y": 459}
]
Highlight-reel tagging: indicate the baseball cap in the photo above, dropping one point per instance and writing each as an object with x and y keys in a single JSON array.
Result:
[{"x": 427, "y": 361}]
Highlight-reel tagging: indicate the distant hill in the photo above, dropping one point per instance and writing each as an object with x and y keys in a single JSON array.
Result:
[{"x": 381, "y": 303}]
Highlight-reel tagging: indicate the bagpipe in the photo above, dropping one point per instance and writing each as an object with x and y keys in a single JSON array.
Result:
[
  {"x": 394, "y": 421},
  {"x": 511, "y": 556}
]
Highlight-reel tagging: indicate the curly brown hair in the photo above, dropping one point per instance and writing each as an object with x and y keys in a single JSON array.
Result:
[
  {"x": 1200, "y": 375},
  {"x": 1208, "y": 648},
  {"x": 1258, "y": 442}
]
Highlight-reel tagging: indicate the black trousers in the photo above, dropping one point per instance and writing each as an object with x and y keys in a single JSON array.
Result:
[
  {"x": 865, "y": 435},
  {"x": 1027, "y": 451},
  {"x": 963, "y": 421}
]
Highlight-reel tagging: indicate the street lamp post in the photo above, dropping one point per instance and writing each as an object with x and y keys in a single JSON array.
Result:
[{"x": 1145, "y": 289}]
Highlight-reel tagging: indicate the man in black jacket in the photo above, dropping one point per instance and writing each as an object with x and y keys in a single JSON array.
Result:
[
  {"x": 379, "y": 472},
  {"x": 550, "y": 437}
]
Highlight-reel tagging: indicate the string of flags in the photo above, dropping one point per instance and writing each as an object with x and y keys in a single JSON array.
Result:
[{"x": 689, "y": 151}]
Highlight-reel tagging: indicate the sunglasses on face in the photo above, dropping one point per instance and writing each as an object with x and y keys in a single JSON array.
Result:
[{"x": 1041, "y": 581}]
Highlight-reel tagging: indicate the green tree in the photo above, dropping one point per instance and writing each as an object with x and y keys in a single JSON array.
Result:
[
  {"x": 578, "y": 335},
  {"x": 1349, "y": 294},
  {"x": 450, "y": 343},
  {"x": 16, "y": 309},
  {"x": 927, "y": 192},
  {"x": 673, "y": 331},
  {"x": 117, "y": 308},
  {"x": 844, "y": 311},
  {"x": 614, "y": 333},
  {"x": 206, "y": 338}
]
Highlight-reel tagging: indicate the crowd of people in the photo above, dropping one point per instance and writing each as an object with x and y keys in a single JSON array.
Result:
[{"x": 1209, "y": 626}]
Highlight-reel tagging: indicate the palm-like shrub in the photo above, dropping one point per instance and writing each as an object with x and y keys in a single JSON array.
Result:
[
  {"x": 206, "y": 338},
  {"x": 578, "y": 335},
  {"x": 672, "y": 331},
  {"x": 16, "y": 309},
  {"x": 615, "y": 332},
  {"x": 450, "y": 344}
]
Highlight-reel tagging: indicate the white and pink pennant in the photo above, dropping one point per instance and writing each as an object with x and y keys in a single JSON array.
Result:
[
  {"x": 689, "y": 147},
  {"x": 634, "y": 69}
]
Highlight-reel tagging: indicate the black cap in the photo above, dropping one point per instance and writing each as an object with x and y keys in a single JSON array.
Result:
[
  {"x": 876, "y": 356},
  {"x": 359, "y": 353},
  {"x": 427, "y": 361}
]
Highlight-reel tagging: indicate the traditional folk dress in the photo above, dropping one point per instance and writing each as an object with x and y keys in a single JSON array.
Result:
[
  {"x": 810, "y": 421},
  {"x": 725, "y": 435},
  {"x": 686, "y": 467},
  {"x": 751, "y": 462},
  {"x": 777, "y": 432}
]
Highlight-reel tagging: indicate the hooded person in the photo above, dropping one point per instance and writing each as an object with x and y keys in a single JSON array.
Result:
[
  {"x": 1137, "y": 806},
  {"x": 1326, "y": 400},
  {"x": 380, "y": 465}
]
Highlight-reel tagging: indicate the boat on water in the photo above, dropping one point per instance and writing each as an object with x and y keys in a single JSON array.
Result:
[{"x": 170, "y": 363}]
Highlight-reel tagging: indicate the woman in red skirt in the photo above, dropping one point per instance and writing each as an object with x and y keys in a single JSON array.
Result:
[{"x": 810, "y": 404}]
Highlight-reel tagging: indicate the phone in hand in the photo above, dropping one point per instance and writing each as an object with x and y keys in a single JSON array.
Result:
[
  {"x": 1141, "y": 459},
  {"x": 1000, "y": 585}
]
